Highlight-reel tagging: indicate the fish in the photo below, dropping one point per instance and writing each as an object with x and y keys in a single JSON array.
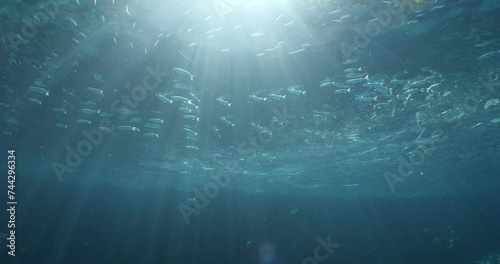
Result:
[
  {"x": 191, "y": 117},
  {"x": 397, "y": 81},
  {"x": 257, "y": 34},
  {"x": 90, "y": 111},
  {"x": 358, "y": 80},
  {"x": 343, "y": 91},
  {"x": 355, "y": 75},
  {"x": 163, "y": 98},
  {"x": 483, "y": 44},
  {"x": 60, "y": 110},
  {"x": 179, "y": 98},
  {"x": 156, "y": 120},
  {"x": 277, "y": 96},
  {"x": 190, "y": 131},
  {"x": 436, "y": 7},
  {"x": 256, "y": 98},
  {"x": 4, "y": 105},
  {"x": 83, "y": 121},
  {"x": 325, "y": 84},
  {"x": 95, "y": 91},
  {"x": 222, "y": 100},
  {"x": 188, "y": 147},
  {"x": 183, "y": 72},
  {"x": 490, "y": 103},
  {"x": 294, "y": 90},
  {"x": 489, "y": 54},
  {"x": 150, "y": 135},
  {"x": 39, "y": 90},
  {"x": 225, "y": 120},
  {"x": 88, "y": 103},
  {"x": 353, "y": 70},
  {"x": 189, "y": 104},
  {"x": 72, "y": 21},
  {"x": 296, "y": 51},
  {"x": 476, "y": 125},
  {"x": 62, "y": 125},
  {"x": 35, "y": 101},
  {"x": 339, "y": 84},
  {"x": 187, "y": 110}
]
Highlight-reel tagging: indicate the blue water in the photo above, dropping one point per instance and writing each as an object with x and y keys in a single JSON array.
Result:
[{"x": 251, "y": 132}]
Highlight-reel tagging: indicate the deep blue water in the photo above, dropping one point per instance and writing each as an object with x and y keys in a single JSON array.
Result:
[{"x": 251, "y": 132}]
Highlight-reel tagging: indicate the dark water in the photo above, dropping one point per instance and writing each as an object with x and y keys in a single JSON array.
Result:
[{"x": 255, "y": 132}]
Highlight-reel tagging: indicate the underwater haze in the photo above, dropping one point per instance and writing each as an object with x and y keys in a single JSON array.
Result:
[{"x": 259, "y": 132}]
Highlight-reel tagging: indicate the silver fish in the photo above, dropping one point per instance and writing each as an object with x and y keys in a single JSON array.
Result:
[
  {"x": 39, "y": 90},
  {"x": 358, "y": 80},
  {"x": 222, "y": 100},
  {"x": 183, "y": 73},
  {"x": 225, "y": 120},
  {"x": 35, "y": 101},
  {"x": 489, "y": 54},
  {"x": 127, "y": 128},
  {"x": 83, "y": 121},
  {"x": 95, "y": 91}
]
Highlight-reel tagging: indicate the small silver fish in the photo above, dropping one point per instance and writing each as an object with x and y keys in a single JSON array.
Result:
[
  {"x": 39, "y": 90},
  {"x": 83, "y": 121},
  {"x": 489, "y": 54},
  {"x": 183, "y": 73},
  {"x": 35, "y": 101},
  {"x": 127, "y": 128}
]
